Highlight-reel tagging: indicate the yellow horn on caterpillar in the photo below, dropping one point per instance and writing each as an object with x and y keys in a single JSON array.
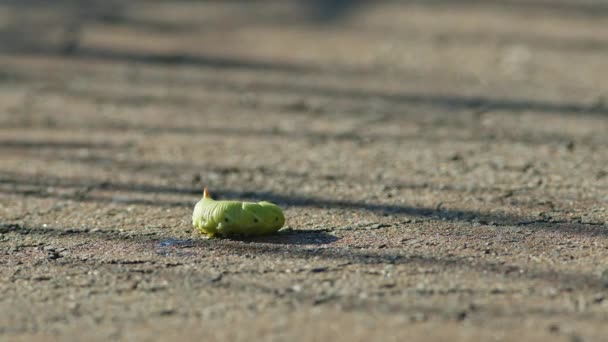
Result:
[{"x": 206, "y": 193}]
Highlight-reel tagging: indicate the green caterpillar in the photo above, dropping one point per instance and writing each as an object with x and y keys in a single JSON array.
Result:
[{"x": 225, "y": 218}]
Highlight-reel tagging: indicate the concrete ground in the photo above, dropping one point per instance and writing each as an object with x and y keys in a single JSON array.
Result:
[{"x": 443, "y": 168}]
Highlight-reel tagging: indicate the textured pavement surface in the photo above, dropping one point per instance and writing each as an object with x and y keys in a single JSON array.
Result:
[{"x": 443, "y": 167}]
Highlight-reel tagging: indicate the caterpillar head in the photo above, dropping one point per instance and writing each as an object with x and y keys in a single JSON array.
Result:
[{"x": 271, "y": 214}]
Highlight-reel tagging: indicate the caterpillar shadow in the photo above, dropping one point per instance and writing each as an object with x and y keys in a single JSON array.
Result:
[{"x": 291, "y": 237}]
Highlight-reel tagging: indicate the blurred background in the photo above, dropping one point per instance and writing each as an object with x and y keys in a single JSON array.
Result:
[
  {"x": 172, "y": 80},
  {"x": 290, "y": 96},
  {"x": 377, "y": 90}
]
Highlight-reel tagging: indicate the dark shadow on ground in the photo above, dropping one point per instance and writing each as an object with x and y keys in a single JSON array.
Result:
[
  {"x": 442, "y": 100},
  {"x": 354, "y": 95},
  {"x": 487, "y": 136},
  {"x": 56, "y": 145},
  {"x": 283, "y": 237},
  {"x": 532, "y": 40},
  {"x": 328, "y": 11},
  {"x": 566, "y": 7},
  {"x": 291, "y": 237},
  {"x": 317, "y": 13},
  {"x": 164, "y": 59},
  {"x": 334, "y": 9},
  {"x": 85, "y": 193},
  {"x": 394, "y": 256},
  {"x": 71, "y": 232},
  {"x": 573, "y": 281}
]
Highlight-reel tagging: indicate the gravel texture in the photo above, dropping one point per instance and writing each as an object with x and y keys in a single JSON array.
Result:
[{"x": 442, "y": 165}]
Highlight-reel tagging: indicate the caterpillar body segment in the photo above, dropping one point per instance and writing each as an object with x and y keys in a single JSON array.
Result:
[{"x": 227, "y": 218}]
